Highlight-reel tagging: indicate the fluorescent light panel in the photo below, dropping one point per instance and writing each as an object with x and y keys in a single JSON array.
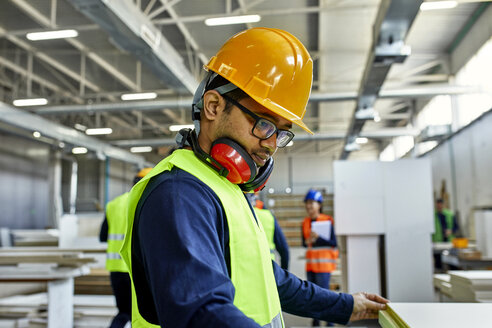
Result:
[
  {"x": 79, "y": 150},
  {"x": 141, "y": 149},
  {"x": 98, "y": 131},
  {"x": 175, "y": 128},
  {"x": 361, "y": 140},
  {"x": 435, "y": 5},
  {"x": 30, "y": 102},
  {"x": 80, "y": 127},
  {"x": 139, "y": 96},
  {"x": 50, "y": 35},
  {"x": 229, "y": 20}
]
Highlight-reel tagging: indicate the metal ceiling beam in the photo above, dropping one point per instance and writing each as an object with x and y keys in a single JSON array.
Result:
[
  {"x": 46, "y": 21},
  {"x": 30, "y": 122},
  {"x": 184, "y": 30},
  {"x": 377, "y": 134},
  {"x": 269, "y": 12},
  {"x": 62, "y": 68},
  {"x": 134, "y": 32},
  {"x": 36, "y": 78},
  {"x": 391, "y": 27},
  {"x": 185, "y": 102}
]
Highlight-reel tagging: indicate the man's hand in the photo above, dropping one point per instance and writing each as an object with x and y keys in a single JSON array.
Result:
[{"x": 366, "y": 306}]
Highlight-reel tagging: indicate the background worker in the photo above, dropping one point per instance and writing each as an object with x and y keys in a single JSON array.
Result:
[
  {"x": 196, "y": 254},
  {"x": 113, "y": 231},
  {"x": 445, "y": 223},
  {"x": 322, "y": 253},
  {"x": 275, "y": 236},
  {"x": 445, "y": 227}
]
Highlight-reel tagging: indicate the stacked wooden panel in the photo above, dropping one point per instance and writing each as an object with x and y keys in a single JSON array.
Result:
[
  {"x": 434, "y": 315},
  {"x": 471, "y": 286},
  {"x": 29, "y": 311}
]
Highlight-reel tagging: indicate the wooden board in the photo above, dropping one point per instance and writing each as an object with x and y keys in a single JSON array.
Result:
[
  {"x": 433, "y": 315},
  {"x": 61, "y": 258}
]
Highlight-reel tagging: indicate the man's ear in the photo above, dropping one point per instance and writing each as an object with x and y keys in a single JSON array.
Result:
[{"x": 213, "y": 104}]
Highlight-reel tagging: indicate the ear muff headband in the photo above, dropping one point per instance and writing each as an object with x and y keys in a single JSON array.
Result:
[{"x": 261, "y": 178}]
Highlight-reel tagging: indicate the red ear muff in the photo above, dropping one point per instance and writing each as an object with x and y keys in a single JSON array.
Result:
[
  {"x": 261, "y": 178},
  {"x": 241, "y": 167}
]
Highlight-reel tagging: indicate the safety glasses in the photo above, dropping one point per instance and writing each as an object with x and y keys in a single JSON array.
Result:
[{"x": 263, "y": 128}]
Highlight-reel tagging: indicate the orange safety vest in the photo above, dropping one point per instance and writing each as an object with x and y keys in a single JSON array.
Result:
[{"x": 319, "y": 259}]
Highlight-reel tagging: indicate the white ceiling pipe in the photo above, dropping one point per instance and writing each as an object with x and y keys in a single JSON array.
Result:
[{"x": 185, "y": 102}]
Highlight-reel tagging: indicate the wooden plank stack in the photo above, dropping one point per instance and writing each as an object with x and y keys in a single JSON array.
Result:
[
  {"x": 442, "y": 283},
  {"x": 432, "y": 315},
  {"x": 29, "y": 311},
  {"x": 97, "y": 282},
  {"x": 471, "y": 286}
]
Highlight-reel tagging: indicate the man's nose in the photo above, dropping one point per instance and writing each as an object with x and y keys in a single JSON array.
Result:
[{"x": 270, "y": 143}]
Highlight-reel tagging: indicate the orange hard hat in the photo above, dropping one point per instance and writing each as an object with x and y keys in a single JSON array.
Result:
[
  {"x": 272, "y": 66},
  {"x": 143, "y": 172}
]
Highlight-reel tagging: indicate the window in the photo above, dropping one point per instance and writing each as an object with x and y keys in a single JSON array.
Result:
[{"x": 477, "y": 72}]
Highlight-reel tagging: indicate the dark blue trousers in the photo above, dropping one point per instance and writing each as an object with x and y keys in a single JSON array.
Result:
[{"x": 122, "y": 290}]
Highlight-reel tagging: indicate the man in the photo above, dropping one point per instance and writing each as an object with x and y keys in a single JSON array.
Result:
[
  {"x": 445, "y": 226},
  {"x": 322, "y": 253},
  {"x": 275, "y": 236},
  {"x": 445, "y": 222},
  {"x": 113, "y": 231},
  {"x": 197, "y": 255}
]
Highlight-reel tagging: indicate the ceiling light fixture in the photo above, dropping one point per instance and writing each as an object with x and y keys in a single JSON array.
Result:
[
  {"x": 80, "y": 127},
  {"x": 229, "y": 20},
  {"x": 435, "y": 5},
  {"x": 36, "y": 134},
  {"x": 50, "y": 35},
  {"x": 98, "y": 131},
  {"x": 175, "y": 128},
  {"x": 141, "y": 149},
  {"x": 139, "y": 96},
  {"x": 361, "y": 140},
  {"x": 30, "y": 102},
  {"x": 352, "y": 147},
  {"x": 79, "y": 150}
]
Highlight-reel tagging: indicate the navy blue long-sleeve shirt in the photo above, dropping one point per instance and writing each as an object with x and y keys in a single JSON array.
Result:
[
  {"x": 281, "y": 245},
  {"x": 181, "y": 262}
]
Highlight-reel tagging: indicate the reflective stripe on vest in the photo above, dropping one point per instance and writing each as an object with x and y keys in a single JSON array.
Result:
[
  {"x": 116, "y": 214},
  {"x": 116, "y": 236},
  {"x": 113, "y": 256},
  {"x": 256, "y": 292},
  {"x": 277, "y": 322},
  {"x": 268, "y": 223}
]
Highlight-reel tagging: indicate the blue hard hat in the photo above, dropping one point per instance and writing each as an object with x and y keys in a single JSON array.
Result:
[{"x": 314, "y": 195}]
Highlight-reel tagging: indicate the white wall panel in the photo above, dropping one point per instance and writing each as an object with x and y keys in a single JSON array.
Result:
[
  {"x": 359, "y": 198},
  {"x": 363, "y": 274},
  {"x": 482, "y": 147},
  {"x": 24, "y": 183},
  {"x": 471, "y": 152},
  {"x": 409, "y": 267},
  {"x": 408, "y": 204}
]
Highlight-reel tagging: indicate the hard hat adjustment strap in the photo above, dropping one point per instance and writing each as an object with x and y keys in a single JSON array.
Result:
[{"x": 198, "y": 96}]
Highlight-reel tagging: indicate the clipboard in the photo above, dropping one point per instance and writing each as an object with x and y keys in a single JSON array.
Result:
[{"x": 322, "y": 228}]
